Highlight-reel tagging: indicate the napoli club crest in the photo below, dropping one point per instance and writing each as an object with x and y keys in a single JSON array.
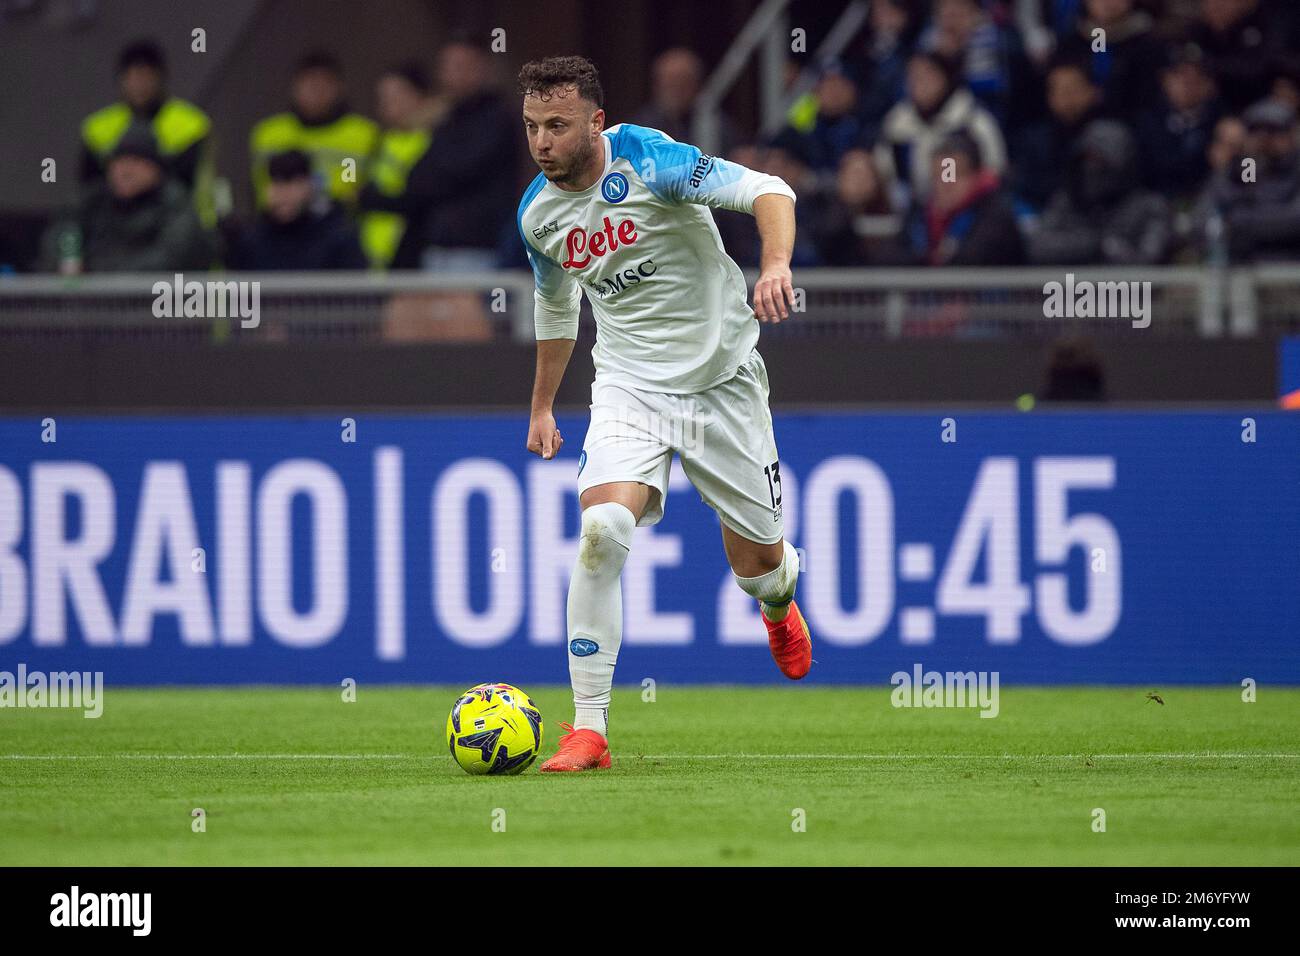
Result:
[{"x": 614, "y": 187}]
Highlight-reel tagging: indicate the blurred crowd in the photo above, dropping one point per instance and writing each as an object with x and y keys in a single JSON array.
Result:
[
  {"x": 950, "y": 132},
  {"x": 1008, "y": 132},
  {"x": 430, "y": 182}
]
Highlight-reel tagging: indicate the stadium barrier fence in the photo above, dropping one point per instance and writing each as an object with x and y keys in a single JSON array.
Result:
[{"x": 871, "y": 304}]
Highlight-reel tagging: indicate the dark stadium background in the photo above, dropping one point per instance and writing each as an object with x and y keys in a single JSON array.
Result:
[{"x": 57, "y": 62}]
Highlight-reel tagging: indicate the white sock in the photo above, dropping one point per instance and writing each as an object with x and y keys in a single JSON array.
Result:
[
  {"x": 775, "y": 588},
  {"x": 596, "y": 611}
]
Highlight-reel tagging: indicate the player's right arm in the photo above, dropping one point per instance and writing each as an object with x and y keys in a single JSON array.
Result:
[
  {"x": 556, "y": 300},
  {"x": 552, "y": 358}
]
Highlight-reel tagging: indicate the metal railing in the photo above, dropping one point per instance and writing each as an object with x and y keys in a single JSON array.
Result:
[
  {"x": 766, "y": 29},
  {"x": 766, "y": 34},
  {"x": 345, "y": 306},
  {"x": 835, "y": 304}
]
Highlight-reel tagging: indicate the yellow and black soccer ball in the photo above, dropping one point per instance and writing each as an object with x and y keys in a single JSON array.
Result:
[{"x": 494, "y": 729}]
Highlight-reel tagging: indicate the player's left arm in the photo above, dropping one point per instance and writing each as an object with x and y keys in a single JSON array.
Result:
[{"x": 774, "y": 290}]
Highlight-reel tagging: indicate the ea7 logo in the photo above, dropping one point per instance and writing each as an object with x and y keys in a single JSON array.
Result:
[
  {"x": 546, "y": 230},
  {"x": 102, "y": 909}
]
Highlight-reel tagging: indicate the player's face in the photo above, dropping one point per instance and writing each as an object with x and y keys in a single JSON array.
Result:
[{"x": 563, "y": 134}]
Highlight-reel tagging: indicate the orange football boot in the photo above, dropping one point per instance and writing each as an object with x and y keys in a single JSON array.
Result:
[
  {"x": 790, "y": 642},
  {"x": 579, "y": 750}
]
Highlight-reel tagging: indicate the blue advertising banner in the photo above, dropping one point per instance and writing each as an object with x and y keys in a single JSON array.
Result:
[
  {"x": 1051, "y": 547},
  {"x": 1289, "y": 371}
]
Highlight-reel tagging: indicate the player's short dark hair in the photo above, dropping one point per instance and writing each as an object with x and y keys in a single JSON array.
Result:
[
  {"x": 144, "y": 52},
  {"x": 543, "y": 78}
]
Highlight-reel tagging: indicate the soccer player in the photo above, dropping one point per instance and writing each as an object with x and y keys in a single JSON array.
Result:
[{"x": 621, "y": 213}]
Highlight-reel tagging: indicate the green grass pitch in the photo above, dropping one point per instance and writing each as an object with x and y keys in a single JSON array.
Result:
[{"x": 700, "y": 776}]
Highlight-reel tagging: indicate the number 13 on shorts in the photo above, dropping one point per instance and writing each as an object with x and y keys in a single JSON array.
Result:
[{"x": 773, "y": 474}]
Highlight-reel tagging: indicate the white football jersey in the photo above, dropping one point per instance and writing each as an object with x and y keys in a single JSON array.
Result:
[{"x": 672, "y": 308}]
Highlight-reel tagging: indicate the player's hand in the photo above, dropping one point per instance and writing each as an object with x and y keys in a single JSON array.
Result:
[
  {"x": 543, "y": 437},
  {"x": 774, "y": 294}
]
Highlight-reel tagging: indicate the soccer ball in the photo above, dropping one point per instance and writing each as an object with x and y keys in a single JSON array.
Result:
[{"x": 494, "y": 728}]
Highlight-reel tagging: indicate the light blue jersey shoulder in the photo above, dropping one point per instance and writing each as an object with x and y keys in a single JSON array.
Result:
[
  {"x": 547, "y": 273},
  {"x": 532, "y": 192},
  {"x": 673, "y": 171}
]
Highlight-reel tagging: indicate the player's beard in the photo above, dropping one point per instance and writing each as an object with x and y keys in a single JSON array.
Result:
[{"x": 569, "y": 173}]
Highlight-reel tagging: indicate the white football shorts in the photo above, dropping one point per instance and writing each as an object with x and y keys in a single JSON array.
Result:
[{"x": 723, "y": 436}]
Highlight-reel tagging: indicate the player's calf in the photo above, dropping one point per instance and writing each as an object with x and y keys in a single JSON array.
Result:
[{"x": 595, "y": 610}]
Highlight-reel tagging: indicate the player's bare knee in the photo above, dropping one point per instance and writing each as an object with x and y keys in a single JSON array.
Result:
[
  {"x": 768, "y": 561},
  {"x": 766, "y": 577},
  {"x": 757, "y": 560}
]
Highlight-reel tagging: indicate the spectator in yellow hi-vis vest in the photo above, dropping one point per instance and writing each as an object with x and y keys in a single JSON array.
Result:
[
  {"x": 408, "y": 113},
  {"x": 180, "y": 129},
  {"x": 340, "y": 143}
]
